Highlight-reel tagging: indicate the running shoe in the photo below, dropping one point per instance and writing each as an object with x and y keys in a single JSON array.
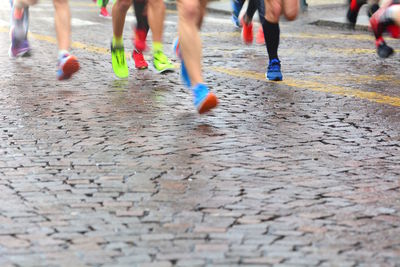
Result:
[
  {"x": 260, "y": 36},
  {"x": 236, "y": 21},
  {"x": 104, "y": 13},
  {"x": 19, "y": 44},
  {"x": 118, "y": 60},
  {"x": 274, "y": 70},
  {"x": 67, "y": 65},
  {"x": 161, "y": 62},
  {"x": 18, "y": 48},
  {"x": 383, "y": 50},
  {"x": 236, "y": 7},
  {"x": 140, "y": 62},
  {"x": 204, "y": 100},
  {"x": 247, "y": 32},
  {"x": 184, "y": 74}
]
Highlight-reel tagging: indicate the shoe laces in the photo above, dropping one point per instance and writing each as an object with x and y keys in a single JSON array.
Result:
[
  {"x": 274, "y": 65},
  {"x": 161, "y": 57},
  {"x": 200, "y": 91},
  {"x": 138, "y": 54},
  {"x": 119, "y": 54}
]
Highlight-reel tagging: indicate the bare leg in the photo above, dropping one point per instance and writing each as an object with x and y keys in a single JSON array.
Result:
[
  {"x": 273, "y": 9},
  {"x": 62, "y": 18},
  {"x": 24, "y": 3},
  {"x": 189, "y": 38},
  {"x": 290, "y": 9},
  {"x": 156, "y": 16},
  {"x": 119, "y": 10}
]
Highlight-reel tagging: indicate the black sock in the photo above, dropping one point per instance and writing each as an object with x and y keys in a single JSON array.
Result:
[
  {"x": 141, "y": 14},
  {"x": 372, "y": 9},
  {"x": 251, "y": 9},
  {"x": 271, "y": 36}
]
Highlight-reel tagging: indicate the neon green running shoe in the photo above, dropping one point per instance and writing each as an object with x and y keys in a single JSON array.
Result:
[
  {"x": 118, "y": 60},
  {"x": 161, "y": 62}
]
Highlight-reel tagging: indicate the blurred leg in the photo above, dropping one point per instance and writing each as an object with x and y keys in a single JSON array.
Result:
[
  {"x": 290, "y": 9},
  {"x": 156, "y": 16},
  {"x": 119, "y": 10},
  {"x": 62, "y": 19},
  {"x": 189, "y": 38}
]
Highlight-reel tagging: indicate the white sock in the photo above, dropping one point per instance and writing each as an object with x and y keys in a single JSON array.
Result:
[{"x": 61, "y": 53}]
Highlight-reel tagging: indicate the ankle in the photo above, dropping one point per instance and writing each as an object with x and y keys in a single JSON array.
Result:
[
  {"x": 62, "y": 52},
  {"x": 246, "y": 20},
  {"x": 157, "y": 47},
  {"x": 117, "y": 41}
]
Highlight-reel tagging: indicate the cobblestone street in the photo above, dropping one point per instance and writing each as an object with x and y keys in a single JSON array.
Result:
[{"x": 96, "y": 171}]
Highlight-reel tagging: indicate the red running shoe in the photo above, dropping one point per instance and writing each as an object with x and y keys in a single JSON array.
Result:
[
  {"x": 104, "y": 13},
  {"x": 260, "y": 36},
  {"x": 140, "y": 62},
  {"x": 247, "y": 32}
]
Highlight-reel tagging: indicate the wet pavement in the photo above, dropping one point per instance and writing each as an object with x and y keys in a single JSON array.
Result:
[{"x": 102, "y": 172}]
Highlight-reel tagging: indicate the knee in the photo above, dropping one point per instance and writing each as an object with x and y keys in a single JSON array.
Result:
[
  {"x": 291, "y": 14},
  {"x": 190, "y": 10},
  {"x": 33, "y": 2},
  {"x": 60, "y": 3},
  {"x": 272, "y": 15},
  {"x": 157, "y": 3},
  {"x": 124, "y": 4}
]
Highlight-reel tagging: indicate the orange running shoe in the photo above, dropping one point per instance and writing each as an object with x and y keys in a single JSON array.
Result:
[
  {"x": 247, "y": 32},
  {"x": 260, "y": 36}
]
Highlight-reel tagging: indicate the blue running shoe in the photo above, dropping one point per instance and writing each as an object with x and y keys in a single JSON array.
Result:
[
  {"x": 274, "y": 70},
  {"x": 204, "y": 100},
  {"x": 184, "y": 73},
  {"x": 236, "y": 7}
]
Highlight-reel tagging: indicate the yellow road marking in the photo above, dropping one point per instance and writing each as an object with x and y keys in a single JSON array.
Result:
[
  {"x": 353, "y": 51},
  {"x": 310, "y": 85},
  {"x": 316, "y": 86},
  {"x": 358, "y": 37}
]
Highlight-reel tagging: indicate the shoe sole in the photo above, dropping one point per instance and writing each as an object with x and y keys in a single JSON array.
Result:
[
  {"x": 276, "y": 79},
  {"x": 26, "y": 53},
  {"x": 166, "y": 70},
  {"x": 70, "y": 67},
  {"x": 106, "y": 17},
  {"x": 208, "y": 103}
]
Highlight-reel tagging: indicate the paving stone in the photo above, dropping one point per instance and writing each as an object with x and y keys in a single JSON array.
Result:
[{"x": 102, "y": 172}]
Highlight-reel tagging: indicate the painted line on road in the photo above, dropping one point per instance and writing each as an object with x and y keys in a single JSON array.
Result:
[
  {"x": 357, "y": 37},
  {"x": 309, "y": 85},
  {"x": 315, "y": 86},
  {"x": 74, "y": 21},
  {"x": 352, "y": 51}
]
